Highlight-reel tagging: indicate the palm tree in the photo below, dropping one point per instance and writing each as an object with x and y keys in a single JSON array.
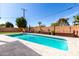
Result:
[
  {"x": 40, "y": 25},
  {"x": 54, "y": 24},
  {"x": 76, "y": 20},
  {"x": 63, "y": 22}
]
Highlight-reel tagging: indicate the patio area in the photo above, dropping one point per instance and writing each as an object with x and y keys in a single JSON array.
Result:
[{"x": 17, "y": 47}]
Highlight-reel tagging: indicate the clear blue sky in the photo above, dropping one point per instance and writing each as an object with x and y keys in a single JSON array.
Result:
[{"x": 44, "y": 12}]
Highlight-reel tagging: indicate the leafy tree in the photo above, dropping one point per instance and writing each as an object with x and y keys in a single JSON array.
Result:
[
  {"x": 76, "y": 20},
  {"x": 8, "y": 24},
  {"x": 63, "y": 22},
  {"x": 54, "y": 24},
  {"x": 21, "y": 22},
  {"x": 2, "y": 25}
]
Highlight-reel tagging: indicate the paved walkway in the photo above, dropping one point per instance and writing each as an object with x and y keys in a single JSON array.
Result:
[{"x": 16, "y": 48}]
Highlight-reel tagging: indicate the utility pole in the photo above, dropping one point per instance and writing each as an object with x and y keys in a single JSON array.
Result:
[{"x": 23, "y": 11}]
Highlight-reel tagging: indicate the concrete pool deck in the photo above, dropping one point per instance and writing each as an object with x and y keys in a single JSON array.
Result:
[
  {"x": 73, "y": 46},
  {"x": 16, "y": 48}
]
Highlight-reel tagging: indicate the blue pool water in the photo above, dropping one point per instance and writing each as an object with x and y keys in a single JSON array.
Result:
[{"x": 53, "y": 42}]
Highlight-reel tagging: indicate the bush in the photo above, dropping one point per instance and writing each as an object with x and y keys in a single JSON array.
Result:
[
  {"x": 52, "y": 32},
  {"x": 8, "y": 25}
]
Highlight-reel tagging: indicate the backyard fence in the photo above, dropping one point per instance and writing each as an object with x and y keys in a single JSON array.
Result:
[
  {"x": 59, "y": 30},
  {"x": 10, "y": 30}
]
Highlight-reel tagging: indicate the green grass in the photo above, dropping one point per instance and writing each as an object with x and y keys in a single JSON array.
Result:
[{"x": 9, "y": 32}]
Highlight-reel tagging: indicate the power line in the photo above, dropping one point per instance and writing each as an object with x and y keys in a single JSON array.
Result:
[
  {"x": 8, "y": 17},
  {"x": 69, "y": 8}
]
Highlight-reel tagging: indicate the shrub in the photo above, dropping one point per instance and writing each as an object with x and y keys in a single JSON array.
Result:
[{"x": 52, "y": 32}]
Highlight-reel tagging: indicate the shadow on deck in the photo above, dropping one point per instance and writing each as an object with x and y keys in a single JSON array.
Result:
[{"x": 16, "y": 48}]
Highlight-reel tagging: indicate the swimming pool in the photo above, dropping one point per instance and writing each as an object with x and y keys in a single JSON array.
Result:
[{"x": 53, "y": 42}]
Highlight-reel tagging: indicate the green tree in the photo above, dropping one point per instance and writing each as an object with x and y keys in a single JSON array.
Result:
[
  {"x": 76, "y": 20},
  {"x": 8, "y": 24},
  {"x": 21, "y": 22},
  {"x": 40, "y": 25},
  {"x": 2, "y": 25},
  {"x": 54, "y": 24},
  {"x": 63, "y": 22}
]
